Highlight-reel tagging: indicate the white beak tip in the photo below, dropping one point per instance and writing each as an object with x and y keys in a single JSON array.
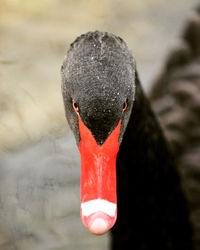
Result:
[
  {"x": 98, "y": 226},
  {"x": 98, "y": 215}
]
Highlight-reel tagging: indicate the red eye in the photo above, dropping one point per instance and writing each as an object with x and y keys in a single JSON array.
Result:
[
  {"x": 124, "y": 106},
  {"x": 75, "y": 106}
]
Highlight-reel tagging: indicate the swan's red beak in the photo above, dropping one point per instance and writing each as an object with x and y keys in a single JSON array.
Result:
[{"x": 98, "y": 180}]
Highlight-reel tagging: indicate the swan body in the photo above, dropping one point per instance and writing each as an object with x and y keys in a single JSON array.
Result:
[{"x": 102, "y": 92}]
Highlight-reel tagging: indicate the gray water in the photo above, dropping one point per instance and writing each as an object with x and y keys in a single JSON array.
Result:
[{"x": 39, "y": 199}]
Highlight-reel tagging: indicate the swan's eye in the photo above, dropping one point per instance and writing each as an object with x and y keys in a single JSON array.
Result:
[
  {"x": 124, "y": 106},
  {"x": 75, "y": 106}
]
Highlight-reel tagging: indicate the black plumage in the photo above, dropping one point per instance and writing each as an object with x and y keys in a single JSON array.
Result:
[{"x": 158, "y": 170}]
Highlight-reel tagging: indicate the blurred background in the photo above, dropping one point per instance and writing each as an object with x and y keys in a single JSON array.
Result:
[{"x": 39, "y": 161}]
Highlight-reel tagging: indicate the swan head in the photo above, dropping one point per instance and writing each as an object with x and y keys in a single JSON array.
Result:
[{"x": 98, "y": 87}]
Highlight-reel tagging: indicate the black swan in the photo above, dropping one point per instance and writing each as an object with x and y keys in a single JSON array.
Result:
[{"x": 139, "y": 169}]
